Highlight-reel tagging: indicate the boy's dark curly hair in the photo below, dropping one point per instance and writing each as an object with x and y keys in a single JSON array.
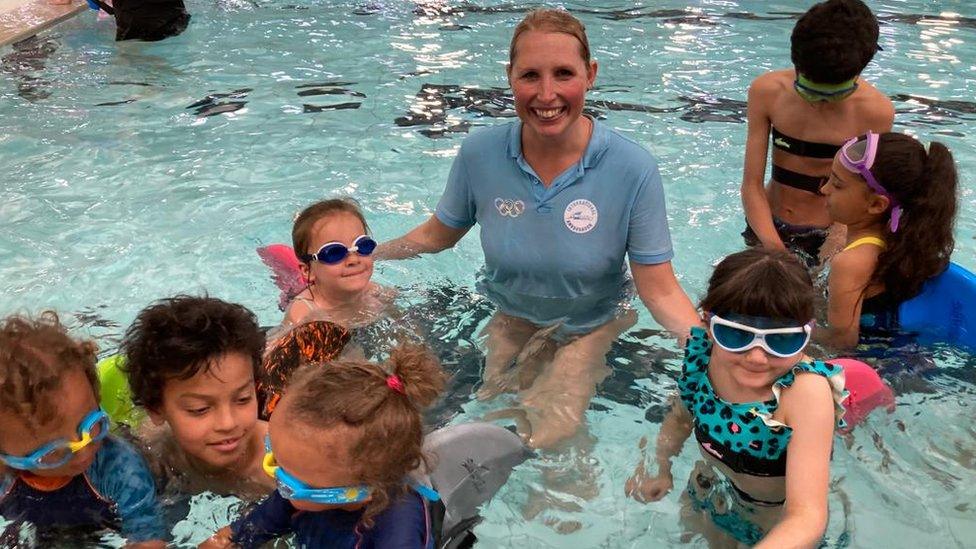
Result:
[
  {"x": 178, "y": 337},
  {"x": 834, "y": 40}
]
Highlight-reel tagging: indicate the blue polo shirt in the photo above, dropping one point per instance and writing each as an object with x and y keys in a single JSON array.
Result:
[{"x": 556, "y": 254}]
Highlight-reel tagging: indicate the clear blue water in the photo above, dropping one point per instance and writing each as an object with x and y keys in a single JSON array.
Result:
[{"x": 117, "y": 192}]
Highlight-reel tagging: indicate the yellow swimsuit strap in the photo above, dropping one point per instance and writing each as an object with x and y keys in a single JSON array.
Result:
[{"x": 867, "y": 240}]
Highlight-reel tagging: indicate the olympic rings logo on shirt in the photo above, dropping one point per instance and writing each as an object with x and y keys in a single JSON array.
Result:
[{"x": 509, "y": 208}]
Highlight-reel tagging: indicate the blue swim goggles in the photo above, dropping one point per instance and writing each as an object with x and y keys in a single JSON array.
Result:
[
  {"x": 739, "y": 338},
  {"x": 291, "y": 488},
  {"x": 93, "y": 428},
  {"x": 334, "y": 252}
]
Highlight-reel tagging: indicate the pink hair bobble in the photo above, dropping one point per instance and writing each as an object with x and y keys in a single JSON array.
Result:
[{"x": 394, "y": 382}]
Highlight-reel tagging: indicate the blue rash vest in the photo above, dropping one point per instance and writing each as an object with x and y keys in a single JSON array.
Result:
[
  {"x": 116, "y": 492},
  {"x": 404, "y": 524},
  {"x": 556, "y": 255}
]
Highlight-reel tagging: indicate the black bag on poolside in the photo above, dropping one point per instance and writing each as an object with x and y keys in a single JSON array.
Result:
[{"x": 148, "y": 20}]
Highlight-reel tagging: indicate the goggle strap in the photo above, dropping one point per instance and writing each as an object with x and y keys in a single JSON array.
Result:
[
  {"x": 895, "y": 218},
  {"x": 426, "y": 492},
  {"x": 269, "y": 464}
]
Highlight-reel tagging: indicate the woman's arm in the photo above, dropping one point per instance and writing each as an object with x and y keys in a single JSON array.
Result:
[
  {"x": 850, "y": 272},
  {"x": 429, "y": 237},
  {"x": 754, "y": 201},
  {"x": 675, "y": 430},
  {"x": 664, "y": 297},
  {"x": 808, "y": 408}
]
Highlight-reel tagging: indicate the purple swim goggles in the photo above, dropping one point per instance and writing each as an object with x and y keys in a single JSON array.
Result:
[{"x": 857, "y": 155}]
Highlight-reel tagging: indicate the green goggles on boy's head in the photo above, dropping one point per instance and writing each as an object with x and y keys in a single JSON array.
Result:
[{"x": 813, "y": 92}]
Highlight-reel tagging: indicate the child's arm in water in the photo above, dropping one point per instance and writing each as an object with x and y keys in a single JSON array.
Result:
[
  {"x": 271, "y": 519},
  {"x": 675, "y": 430},
  {"x": 759, "y": 215},
  {"x": 121, "y": 475},
  {"x": 808, "y": 408},
  {"x": 850, "y": 272}
]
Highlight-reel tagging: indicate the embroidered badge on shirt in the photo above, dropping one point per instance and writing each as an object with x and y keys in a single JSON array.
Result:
[
  {"x": 509, "y": 208},
  {"x": 580, "y": 216}
]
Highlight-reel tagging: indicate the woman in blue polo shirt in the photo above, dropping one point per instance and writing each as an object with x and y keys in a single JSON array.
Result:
[{"x": 561, "y": 199}]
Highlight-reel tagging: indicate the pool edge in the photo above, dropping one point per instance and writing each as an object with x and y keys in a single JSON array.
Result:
[{"x": 35, "y": 17}]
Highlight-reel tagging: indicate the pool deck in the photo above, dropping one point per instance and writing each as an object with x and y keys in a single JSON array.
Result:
[{"x": 20, "y": 19}]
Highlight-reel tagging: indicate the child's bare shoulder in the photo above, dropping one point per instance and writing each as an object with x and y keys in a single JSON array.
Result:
[
  {"x": 301, "y": 305},
  {"x": 773, "y": 81},
  {"x": 856, "y": 261}
]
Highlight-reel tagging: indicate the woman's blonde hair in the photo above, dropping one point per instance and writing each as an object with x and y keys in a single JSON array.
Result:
[{"x": 552, "y": 20}]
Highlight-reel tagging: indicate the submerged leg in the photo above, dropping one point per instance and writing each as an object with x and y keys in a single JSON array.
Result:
[
  {"x": 561, "y": 393},
  {"x": 505, "y": 337}
]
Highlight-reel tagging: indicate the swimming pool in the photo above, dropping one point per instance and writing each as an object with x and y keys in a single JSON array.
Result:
[{"x": 135, "y": 171}]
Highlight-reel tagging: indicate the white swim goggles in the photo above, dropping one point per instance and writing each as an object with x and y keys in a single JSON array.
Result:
[{"x": 739, "y": 338}]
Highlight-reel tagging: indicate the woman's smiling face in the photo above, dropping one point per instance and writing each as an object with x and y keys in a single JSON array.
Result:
[{"x": 549, "y": 79}]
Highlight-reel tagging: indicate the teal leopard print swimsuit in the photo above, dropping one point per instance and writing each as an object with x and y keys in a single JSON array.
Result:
[{"x": 743, "y": 436}]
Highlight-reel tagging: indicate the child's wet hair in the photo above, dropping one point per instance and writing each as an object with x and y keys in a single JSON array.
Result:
[
  {"x": 833, "y": 41},
  {"x": 314, "y": 342},
  {"x": 925, "y": 185},
  {"x": 35, "y": 355},
  {"x": 387, "y": 414},
  {"x": 301, "y": 232},
  {"x": 761, "y": 282},
  {"x": 178, "y": 337}
]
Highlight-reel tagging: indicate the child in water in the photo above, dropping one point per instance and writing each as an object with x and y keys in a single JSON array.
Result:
[
  {"x": 60, "y": 469},
  {"x": 340, "y": 446},
  {"x": 191, "y": 363},
  {"x": 898, "y": 202},
  {"x": 332, "y": 242},
  {"x": 808, "y": 112},
  {"x": 763, "y": 412}
]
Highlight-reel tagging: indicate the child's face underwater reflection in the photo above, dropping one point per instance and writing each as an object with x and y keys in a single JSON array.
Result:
[{"x": 213, "y": 415}]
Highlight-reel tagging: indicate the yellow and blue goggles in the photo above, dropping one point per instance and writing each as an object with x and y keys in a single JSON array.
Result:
[
  {"x": 294, "y": 489},
  {"x": 93, "y": 428}
]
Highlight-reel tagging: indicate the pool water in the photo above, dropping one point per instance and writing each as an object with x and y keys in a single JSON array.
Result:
[{"x": 135, "y": 171}]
